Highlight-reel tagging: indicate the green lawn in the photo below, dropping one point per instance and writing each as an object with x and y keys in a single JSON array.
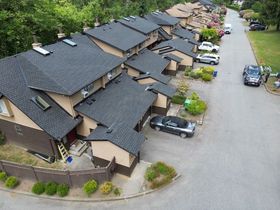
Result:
[{"x": 267, "y": 48}]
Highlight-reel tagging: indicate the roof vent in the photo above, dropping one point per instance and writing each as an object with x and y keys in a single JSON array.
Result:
[
  {"x": 109, "y": 130},
  {"x": 148, "y": 88},
  {"x": 127, "y": 19},
  {"x": 147, "y": 73},
  {"x": 133, "y": 17},
  {"x": 69, "y": 42},
  {"x": 93, "y": 99},
  {"x": 89, "y": 102},
  {"x": 155, "y": 13},
  {"x": 41, "y": 51}
]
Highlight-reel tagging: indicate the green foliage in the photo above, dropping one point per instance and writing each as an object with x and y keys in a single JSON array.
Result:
[
  {"x": 194, "y": 96},
  {"x": 182, "y": 88},
  {"x": 210, "y": 34},
  {"x": 151, "y": 174},
  {"x": 194, "y": 75},
  {"x": 62, "y": 190},
  {"x": 117, "y": 191},
  {"x": 235, "y": 7},
  {"x": 38, "y": 188},
  {"x": 2, "y": 138},
  {"x": 208, "y": 69},
  {"x": 90, "y": 187},
  {"x": 11, "y": 182},
  {"x": 197, "y": 107},
  {"x": 207, "y": 77},
  {"x": 177, "y": 99},
  {"x": 3, "y": 176},
  {"x": 51, "y": 188},
  {"x": 106, "y": 188}
]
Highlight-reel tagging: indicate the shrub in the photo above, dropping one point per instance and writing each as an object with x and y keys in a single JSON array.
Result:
[
  {"x": 197, "y": 107},
  {"x": 3, "y": 176},
  {"x": 161, "y": 167},
  {"x": 208, "y": 69},
  {"x": 11, "y": 182},
  {"x": 2, "y": 138},
  {"x": 38, "y": 188},
  {"x": 182, "y": 88},
  {"x": 207, "y": 77},
  {"x": 178, "y": 99},
  {"x": 188, "y": 69},
  {"x": 151, "y": 174},
  {"x": 194, "y": 75},
  {"x": 62, "y": 190},
  {"x": 106, "y": 188},
  {"x": 194, "y": 96},
  {"x": 90, "y": 187},
  {"x": 210, "y": 35},
  {"x": 117, "y": 191},
  {"x": 159, "y": 183},
  {"x": 51, "y": 188}
]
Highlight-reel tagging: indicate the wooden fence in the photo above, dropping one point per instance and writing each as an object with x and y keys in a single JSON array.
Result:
[{"x": 72, "y": 178}]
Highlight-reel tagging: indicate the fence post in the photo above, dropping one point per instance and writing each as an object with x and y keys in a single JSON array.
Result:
[
  {"x": 1, "y": 165},
  {"x": 69, "y": 178},
  {"x": 35, "y": 174}
]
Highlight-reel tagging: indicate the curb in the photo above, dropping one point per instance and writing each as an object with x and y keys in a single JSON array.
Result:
[
  {"x": 270, "y": 91},
  {"x": 93, "y": 199}
]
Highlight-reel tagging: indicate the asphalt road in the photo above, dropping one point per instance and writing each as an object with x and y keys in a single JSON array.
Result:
[{"x": 233, "y": 162}]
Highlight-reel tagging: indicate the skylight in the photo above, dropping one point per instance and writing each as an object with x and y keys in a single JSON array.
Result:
[
  {"x": 69, "y": 42},
  {"x": 41, "y": 103},
  {"x": 41, "y": 51}
]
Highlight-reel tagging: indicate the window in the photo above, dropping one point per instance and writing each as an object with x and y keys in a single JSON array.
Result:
[
  {"x": 41, "y": 103},
  {"x": 3, "y": 108},
  {"x": 18, "y": 130}
]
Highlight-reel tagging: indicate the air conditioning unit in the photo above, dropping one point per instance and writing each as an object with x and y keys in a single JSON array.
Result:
[
  {"x": 84, "y": 93},
  {"x": 110, "y": 76}
]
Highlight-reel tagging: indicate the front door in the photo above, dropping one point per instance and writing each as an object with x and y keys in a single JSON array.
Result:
[{"x": 71, "y": 138}]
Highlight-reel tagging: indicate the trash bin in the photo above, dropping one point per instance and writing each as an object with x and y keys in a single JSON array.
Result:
[
  {"x": 187, "y": 103},
  {"x": 215, "y": 73}
]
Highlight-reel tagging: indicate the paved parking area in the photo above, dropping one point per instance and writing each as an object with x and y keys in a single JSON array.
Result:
[{"x": 232, "y": 162}]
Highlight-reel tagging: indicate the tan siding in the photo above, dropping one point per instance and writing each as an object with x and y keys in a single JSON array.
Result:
[
  {"x": 187, "y": 60},
  {"x": 167, "y": 29},
  {"x": 153, "y": 37},
  {"x": 183, "y": 22},
  {"x": 64, "y": 102},
  {"x": 108, "y": 48},
  {"x": 172, "y": 66},
  {"x": 84, "y": 128},
  {"x": 18, "y": 116},
  {"x": 146, "y": 81},
  {"x": 132, "y": 72},
  {"x": 161, "y": 101},
  {"x": 106, "y": 150}
]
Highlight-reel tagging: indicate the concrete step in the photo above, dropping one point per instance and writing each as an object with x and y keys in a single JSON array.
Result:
[{"x": 78, "y": 148}]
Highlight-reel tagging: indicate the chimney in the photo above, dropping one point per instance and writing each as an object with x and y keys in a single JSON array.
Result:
[
  {"x": 85, "y": 28},
  {"x": 96, "y": 24},
  {"x": 60, "y": 34},
  {"x": 35, "y": 42}
]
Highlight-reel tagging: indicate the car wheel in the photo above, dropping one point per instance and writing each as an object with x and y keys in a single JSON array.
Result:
[
  {"x": 183, "y": 135},
  {"x": 212, "y": 62},
  {"x": 157, "y": 128},
  {"x": 214, "y": 50}
]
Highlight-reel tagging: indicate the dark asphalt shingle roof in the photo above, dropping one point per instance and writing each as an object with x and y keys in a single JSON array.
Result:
[
  {"x": 164, "y": 34},
  {"x": 163, "y": 89},
  {"x": 162, "y": 19},
  {"x": 139, "y": 24},
  {"x": 126, "y": 138},
  {"x": 68, "y": 69},
  {"x": 117, "y": 35},
  {"x": 149, "y": 62},
  {"x": 177, "y": 44},
  {"x": 185, "y": 34},
  {"x": 54, "y": 121},
  {"x": 173, "y": 57},
  {"x": 122, "y": 101}
]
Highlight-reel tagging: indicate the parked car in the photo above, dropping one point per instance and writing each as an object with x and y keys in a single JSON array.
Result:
[
  {"x": 254, "y": 22},
  {"x": 208, "y": 46},
  {"x": 252, "y": 75},
  {"x": 208, "y": 58},
  {"x": 172, "y": 124},
  {"x": 257, "y": 27},
  {"x": 227, "y": 28}
]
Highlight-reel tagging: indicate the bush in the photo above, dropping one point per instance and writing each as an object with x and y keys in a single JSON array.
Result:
[
  {"x": 210, "y": 35},
  {"x": 106, "y": 188},
  {"x": 11, "y": 182},
  {"x": 117, "y": 191},
  {"x": 207, "y": 77},
  {"x": 38, "y": 188},
  {"x": 51, "y": 188},
  {"x": 90, "y": 187},
  {"x": 3, "y": 176},
  {"x": 178, "y": 99},
  {"x": 2, "y": 138},
  {"x": 151, "y": 174},
  {"x": 194, "y": 96},
  {"x": 62, "y": 190},
  {"x": 188, "y": 69},
  {"x": 197, "y": 107},
  {"x": 161, "y": 182},
  {"x": 208, "y": 69},
  {"x": 194, "y": 75},
  {"x": 182, "y": 88}
]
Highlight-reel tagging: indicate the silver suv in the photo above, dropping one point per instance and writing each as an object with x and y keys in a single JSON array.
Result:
[{"x": 208, "y": 58}]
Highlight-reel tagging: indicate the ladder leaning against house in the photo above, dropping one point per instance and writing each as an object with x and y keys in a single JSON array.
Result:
[{"x": 63, "y": 152}]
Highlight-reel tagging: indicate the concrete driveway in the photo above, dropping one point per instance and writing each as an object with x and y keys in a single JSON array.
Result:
[{"x": 233, "y": 162}]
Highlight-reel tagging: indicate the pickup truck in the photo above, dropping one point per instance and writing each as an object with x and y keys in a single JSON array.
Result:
[{"x": 208, "y": 46}]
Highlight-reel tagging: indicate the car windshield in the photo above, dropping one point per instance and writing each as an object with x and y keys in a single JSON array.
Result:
[{"x": 253, "y": 70}]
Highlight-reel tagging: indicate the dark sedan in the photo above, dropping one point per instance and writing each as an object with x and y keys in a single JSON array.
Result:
[
  {"x": 257, "y": 27},
  {"x": 172, "y": 124},
  {"x": 252, "y": 75}
]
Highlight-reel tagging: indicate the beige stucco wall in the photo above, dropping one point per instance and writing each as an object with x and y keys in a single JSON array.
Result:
[
  {"x": 167, "y": 29},
  {"x": 183, "y": 22},
  {"x": 146, "y": 81},
  {"x": 88, "y": 124},
  {"x": 197, "y": 36},
  {"x": 152, "y": 38},
  {"x": 172, "y": 66},
  {"x": 107, "y": 48},
  {"x": 134, "y": 50},
  {"x": 17, "y": 116},
  {"x": 161, "y": 101},
  {"x": 106, "y": 150},
  {"x": 132, "y": 72},
  {"x": 187, "y": 60}
]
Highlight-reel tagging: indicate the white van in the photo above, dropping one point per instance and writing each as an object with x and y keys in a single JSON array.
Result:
[{"x": 227, "y": 28}]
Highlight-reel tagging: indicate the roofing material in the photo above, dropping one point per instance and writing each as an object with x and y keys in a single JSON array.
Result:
[
  {"x": 185, "y": 34},
  {"x": 150, "y": 63},
  {"x": 117, "y": 35},
  {"x": 173, "y": 11},
  {"x": 173, "y": 57},
  {"x": 163, "y": 89},
  {"x": 13, "y": 84},
  {"x": 58, "y": 72},
  {"x": 162, "y": 19}
]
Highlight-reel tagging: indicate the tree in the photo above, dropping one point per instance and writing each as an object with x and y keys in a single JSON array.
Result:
[{"x": 270, "y": 12}]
